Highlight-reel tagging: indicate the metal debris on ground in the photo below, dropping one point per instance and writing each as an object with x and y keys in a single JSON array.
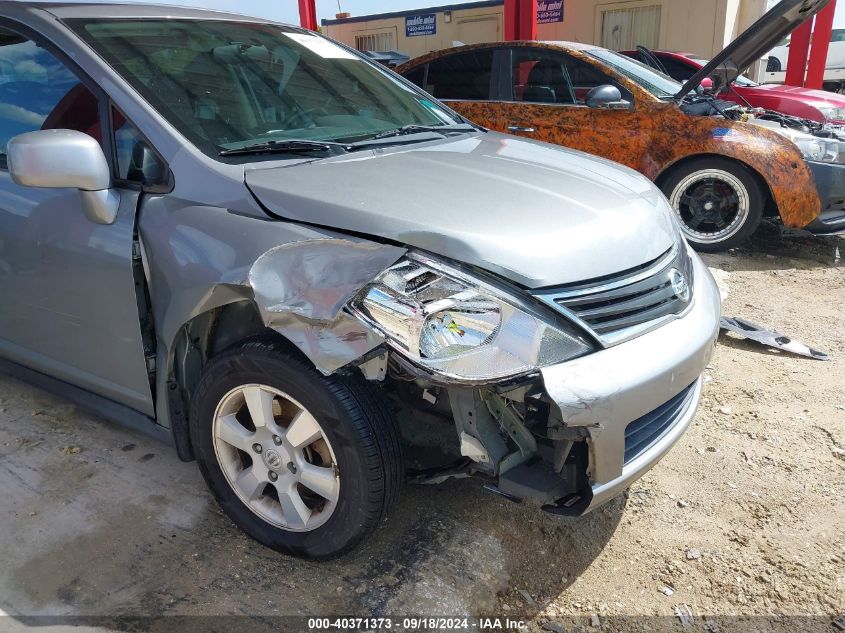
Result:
[
  {"x": 760, "y": 334},
  {"x": 839, "y": 623},
  {"x": 684, "y": 613}
]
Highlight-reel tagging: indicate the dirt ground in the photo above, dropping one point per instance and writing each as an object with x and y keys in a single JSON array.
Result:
[{"x": 745, "y": 517}]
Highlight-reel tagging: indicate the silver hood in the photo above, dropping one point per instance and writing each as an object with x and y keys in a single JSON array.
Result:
[{"x": 536, "y": 214}]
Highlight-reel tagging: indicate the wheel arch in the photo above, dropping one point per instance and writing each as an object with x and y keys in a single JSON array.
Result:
[
  {"x": 198, "y": 340},
  {"x": 770, "y": 208}
]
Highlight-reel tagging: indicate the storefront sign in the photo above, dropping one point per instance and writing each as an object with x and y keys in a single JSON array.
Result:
[
  {"x": 420, "y": 25},
  {"x": 549, "y": 11}
]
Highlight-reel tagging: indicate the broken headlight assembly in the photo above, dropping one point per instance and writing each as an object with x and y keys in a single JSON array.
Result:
[
  {"x": 458, "y": 327},
  {"x": 814, "y": 148},
  {"x": 819, "y": 149}
]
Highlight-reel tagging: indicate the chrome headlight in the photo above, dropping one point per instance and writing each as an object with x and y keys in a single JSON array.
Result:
[
  {"x": 822, "y": 150},
  {"x": 458, "y": 327}
]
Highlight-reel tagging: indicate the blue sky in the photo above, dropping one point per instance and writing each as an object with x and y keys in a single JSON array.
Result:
[{"x": 288, "y": 10}]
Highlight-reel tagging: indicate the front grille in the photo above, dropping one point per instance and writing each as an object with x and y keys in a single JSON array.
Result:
[
  {"x": 621, "y": 306},
  {"x": 643, "y": 432}
]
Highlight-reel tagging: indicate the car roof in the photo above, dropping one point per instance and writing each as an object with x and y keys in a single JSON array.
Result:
[
  {"x": 444, "y": 52},
  {"x": 578, "y": 46},
  {"x": 108, "y": 10},
  {"x": 663, "y": 51},
  {"x": 682, "y": 54}
]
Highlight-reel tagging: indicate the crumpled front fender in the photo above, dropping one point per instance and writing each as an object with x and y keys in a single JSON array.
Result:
[
  {"x": 199, "y": 258},
  {"x": 301, "y": 289}
]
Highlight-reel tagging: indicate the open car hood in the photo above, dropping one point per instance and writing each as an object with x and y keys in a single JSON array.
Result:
[{"x": 753, "y": 43}]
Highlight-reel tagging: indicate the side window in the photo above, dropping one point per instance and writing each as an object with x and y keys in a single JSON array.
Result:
[
  {"x": 540, "y": 76},
  {"x": 135, "y": 161},
  {"x": 461, "y": 76},
  {"x": 676, "y": 69},
  {"x": 417, "y": 76},
  {"x": 543, "y": 76},
  {"x": 38, "y": 92}
]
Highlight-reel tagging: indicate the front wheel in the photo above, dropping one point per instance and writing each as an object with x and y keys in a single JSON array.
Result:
[
  {"x": 302, "y": 463},
  {"x": 719, "y": 203}
]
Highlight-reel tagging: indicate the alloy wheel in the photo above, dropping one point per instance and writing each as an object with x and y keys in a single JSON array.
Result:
[
  {"x": 711, "y": 204},
  {"x": 276, "y": 457}
]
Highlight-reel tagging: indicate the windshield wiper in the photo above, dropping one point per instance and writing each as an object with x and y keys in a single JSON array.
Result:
[
  {"x": 290, "y": 146},
  {"x": 416, "y": 129}
]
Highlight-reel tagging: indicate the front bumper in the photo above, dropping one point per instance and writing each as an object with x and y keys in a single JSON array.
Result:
[
  {"x": 830, "y": 183},
  {"x": 606, "y": 391}
]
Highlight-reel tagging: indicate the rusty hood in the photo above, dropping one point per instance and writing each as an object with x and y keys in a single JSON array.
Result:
[{"x": 537, "y": 214}]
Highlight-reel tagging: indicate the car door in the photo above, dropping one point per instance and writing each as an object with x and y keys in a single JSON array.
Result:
[
  {"x": 545, "y": 99},
  {"x": 67, "y": 284}
]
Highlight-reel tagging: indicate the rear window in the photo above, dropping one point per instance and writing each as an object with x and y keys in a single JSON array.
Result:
[{"x": 464, "y": 76}]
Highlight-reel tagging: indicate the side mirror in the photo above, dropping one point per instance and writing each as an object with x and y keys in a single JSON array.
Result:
[
  {"x": 57, "y": 159},
  {"x": 606, "y": 97}
]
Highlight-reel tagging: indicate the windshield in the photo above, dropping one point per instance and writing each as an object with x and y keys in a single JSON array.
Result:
[
  {"x": 660, "y": 85},
  {"x": 742, "y": 80},
  {"x": 228, "y": 85}
]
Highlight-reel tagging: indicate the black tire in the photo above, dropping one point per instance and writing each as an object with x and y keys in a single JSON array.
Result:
[
  {"x": 773, "y": 65},
  {"x": 363, "y": 435},
  {"x": 724, "y": 191}
]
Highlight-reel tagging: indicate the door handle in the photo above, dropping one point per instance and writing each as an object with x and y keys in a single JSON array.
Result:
[{"x": 521, "y": 128}]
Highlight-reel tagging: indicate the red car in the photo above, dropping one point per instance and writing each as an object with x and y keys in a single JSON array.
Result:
[{"x": 815, "y": 105}]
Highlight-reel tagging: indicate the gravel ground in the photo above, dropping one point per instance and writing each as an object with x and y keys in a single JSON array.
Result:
[{"x": 743, "y": 518}]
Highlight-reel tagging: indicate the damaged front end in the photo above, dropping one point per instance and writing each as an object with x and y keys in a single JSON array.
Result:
[{"x": 540, "y": 405}]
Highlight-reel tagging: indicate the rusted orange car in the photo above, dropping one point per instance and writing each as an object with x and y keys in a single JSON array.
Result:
[{"x": 722, "y": 167}]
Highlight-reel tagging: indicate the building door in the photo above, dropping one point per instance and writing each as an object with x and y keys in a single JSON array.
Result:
[
  {"x": 625, "y": 29},
  {"x": 480, "y": 30}
]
